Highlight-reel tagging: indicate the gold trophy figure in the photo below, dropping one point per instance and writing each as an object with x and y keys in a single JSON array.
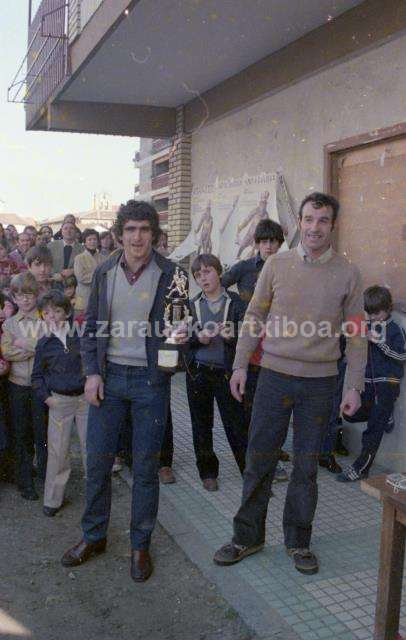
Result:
[{"x": 176, "y": 315}]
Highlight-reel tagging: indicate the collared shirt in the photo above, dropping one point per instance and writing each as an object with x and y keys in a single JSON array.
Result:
[
  {"x": 325, "y": 257},
  {"x": 27, "y": 326},
  {"x": 29, "y": 315},
  {"x": 132, "y": 276},
  {"x": 215, "y": 305},
  {"x": 62, "y": 333}
]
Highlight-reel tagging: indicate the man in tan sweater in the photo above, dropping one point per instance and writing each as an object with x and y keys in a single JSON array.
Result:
[{"x": 302, "y": 298}]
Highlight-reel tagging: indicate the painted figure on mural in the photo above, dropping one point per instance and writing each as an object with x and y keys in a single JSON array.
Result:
[
  {"x": 229, "y": 214},
  {"x": 256, "y": 215},
  {"x": 205, "y": 227}
]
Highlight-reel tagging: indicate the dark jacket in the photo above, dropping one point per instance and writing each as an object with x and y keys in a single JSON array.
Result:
[
  {"x": 234, "y": 314},
  {"x": 96, "y": 332},
  {"x": 386, "y": 359},
  {"x": 56, "y": 369},
  {"x": 245, "y": 275}
]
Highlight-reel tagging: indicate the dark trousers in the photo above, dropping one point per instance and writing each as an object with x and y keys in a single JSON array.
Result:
[
  {"x": 166, "y": 457},
  {"x": 125, "y": 387},
  {"x": 28, "y": 426},
  {"x": 377, "y": 403},
  {"x": 277, "y": 396},
  {"x": 204, "y": 384},
  {"x": 250, "y": 388},
  {"x": 330, "y": 439}
]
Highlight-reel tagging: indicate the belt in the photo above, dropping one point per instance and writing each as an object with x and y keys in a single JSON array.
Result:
[
  {"x": 72, "y": 392},
  {"x": 209, "y": 367}
]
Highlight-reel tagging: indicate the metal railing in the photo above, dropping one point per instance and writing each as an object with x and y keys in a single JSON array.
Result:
[
  {"x": 46, "y": 63},
  {"x": 160, "y": 143},
  {"x": 159, "y": 182}
]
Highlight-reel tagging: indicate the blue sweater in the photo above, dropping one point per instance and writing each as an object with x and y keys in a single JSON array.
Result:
[
  {"x": 386, "y": 359},
  {"x": 57, "y": 369}
]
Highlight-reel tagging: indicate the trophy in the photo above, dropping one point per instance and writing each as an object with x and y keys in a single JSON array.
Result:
[{"x": 176, "y": 313}]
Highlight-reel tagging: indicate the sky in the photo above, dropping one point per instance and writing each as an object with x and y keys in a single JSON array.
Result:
[{"x": 46, "y": 174}]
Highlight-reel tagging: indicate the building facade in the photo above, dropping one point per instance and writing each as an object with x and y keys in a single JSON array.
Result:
[{"x": 152, "y": 160}]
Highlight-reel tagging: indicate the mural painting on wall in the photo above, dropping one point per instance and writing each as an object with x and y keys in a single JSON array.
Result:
[{"x": 226, "y": 212}]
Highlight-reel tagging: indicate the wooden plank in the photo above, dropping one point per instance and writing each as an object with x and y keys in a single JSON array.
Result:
[
  {"x": 390, "y": 575},
  {"x": 372, "y": 490},
  {"x": 378, "y": 488}
]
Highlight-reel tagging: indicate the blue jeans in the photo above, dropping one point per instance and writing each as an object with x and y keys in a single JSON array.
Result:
[
  {"x": 125, "y": 387},
  {"x": 277, "y": 396},
  {"x": 329, "y": 441}
]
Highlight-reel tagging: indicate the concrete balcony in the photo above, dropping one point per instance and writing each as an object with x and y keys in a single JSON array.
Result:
[
  {"x": 160, "y": 143},
  {"x": 160, "y": 182}
]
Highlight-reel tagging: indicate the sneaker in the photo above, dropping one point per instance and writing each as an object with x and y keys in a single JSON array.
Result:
[
  {"x": 330, "y": 463},
  {"x": 280, "y": 474},
  {"x": 166, "y": 475},
  {"x": 305, "y": 561},
  {"x": 233, "y": 553},
  {"x": 350, "y": 474},
  {"x": 390, "y": 424}
]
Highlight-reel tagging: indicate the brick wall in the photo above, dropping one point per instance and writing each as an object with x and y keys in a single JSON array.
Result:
[{"x": 180, "y": 184}]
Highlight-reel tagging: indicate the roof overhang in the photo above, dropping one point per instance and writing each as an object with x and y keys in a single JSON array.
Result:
[{"x": 135, "y": 62}]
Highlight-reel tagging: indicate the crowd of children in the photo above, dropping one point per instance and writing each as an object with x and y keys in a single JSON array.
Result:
[{"x": 41, "y": 380}]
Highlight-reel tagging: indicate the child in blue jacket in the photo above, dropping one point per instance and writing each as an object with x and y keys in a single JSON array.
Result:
[
  {"x": 58, "y": 380},
  {"x": 384, "y": 371}
]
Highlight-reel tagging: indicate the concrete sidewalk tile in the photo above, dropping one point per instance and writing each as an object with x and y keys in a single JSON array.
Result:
[{"x": 337, "y": 603}]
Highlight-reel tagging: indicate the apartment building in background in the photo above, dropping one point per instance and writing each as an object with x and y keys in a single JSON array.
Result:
[{"x": 152, "y": 160}]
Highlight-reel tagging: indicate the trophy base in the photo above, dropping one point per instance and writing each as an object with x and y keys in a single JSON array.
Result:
[{"x": 168, "y": 358}]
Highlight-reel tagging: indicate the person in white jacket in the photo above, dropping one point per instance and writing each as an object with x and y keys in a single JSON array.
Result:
[{"x": 84, "y": 266}]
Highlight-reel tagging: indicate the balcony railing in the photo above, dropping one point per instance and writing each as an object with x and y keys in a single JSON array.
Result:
[
  {"x": 46, "y": 62},
  {"x": 159, "y": 182},
  {"x": 160, "y": 143}
]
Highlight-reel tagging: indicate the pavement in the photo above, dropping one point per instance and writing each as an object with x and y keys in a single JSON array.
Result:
[{"x": 275, "y": 600}]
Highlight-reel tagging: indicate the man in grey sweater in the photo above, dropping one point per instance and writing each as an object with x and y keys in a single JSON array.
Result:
[
  {"x": 302, "y": 298},
  {"x": 123, "y": 333}
]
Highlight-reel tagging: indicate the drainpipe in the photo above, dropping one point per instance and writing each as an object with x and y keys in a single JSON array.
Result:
[{"x": 29, "y": 12}]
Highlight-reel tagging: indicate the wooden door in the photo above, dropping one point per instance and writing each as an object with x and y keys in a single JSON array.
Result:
[{"x": 370, "y": 183}]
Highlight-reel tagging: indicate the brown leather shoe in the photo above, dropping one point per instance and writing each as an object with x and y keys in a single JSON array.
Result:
[
  {"x": 210, "y": 484},
  {"x": 82, "y": 551},
  {"x": 166, "y": 475},
  {"x": 141, "y": 565}
]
